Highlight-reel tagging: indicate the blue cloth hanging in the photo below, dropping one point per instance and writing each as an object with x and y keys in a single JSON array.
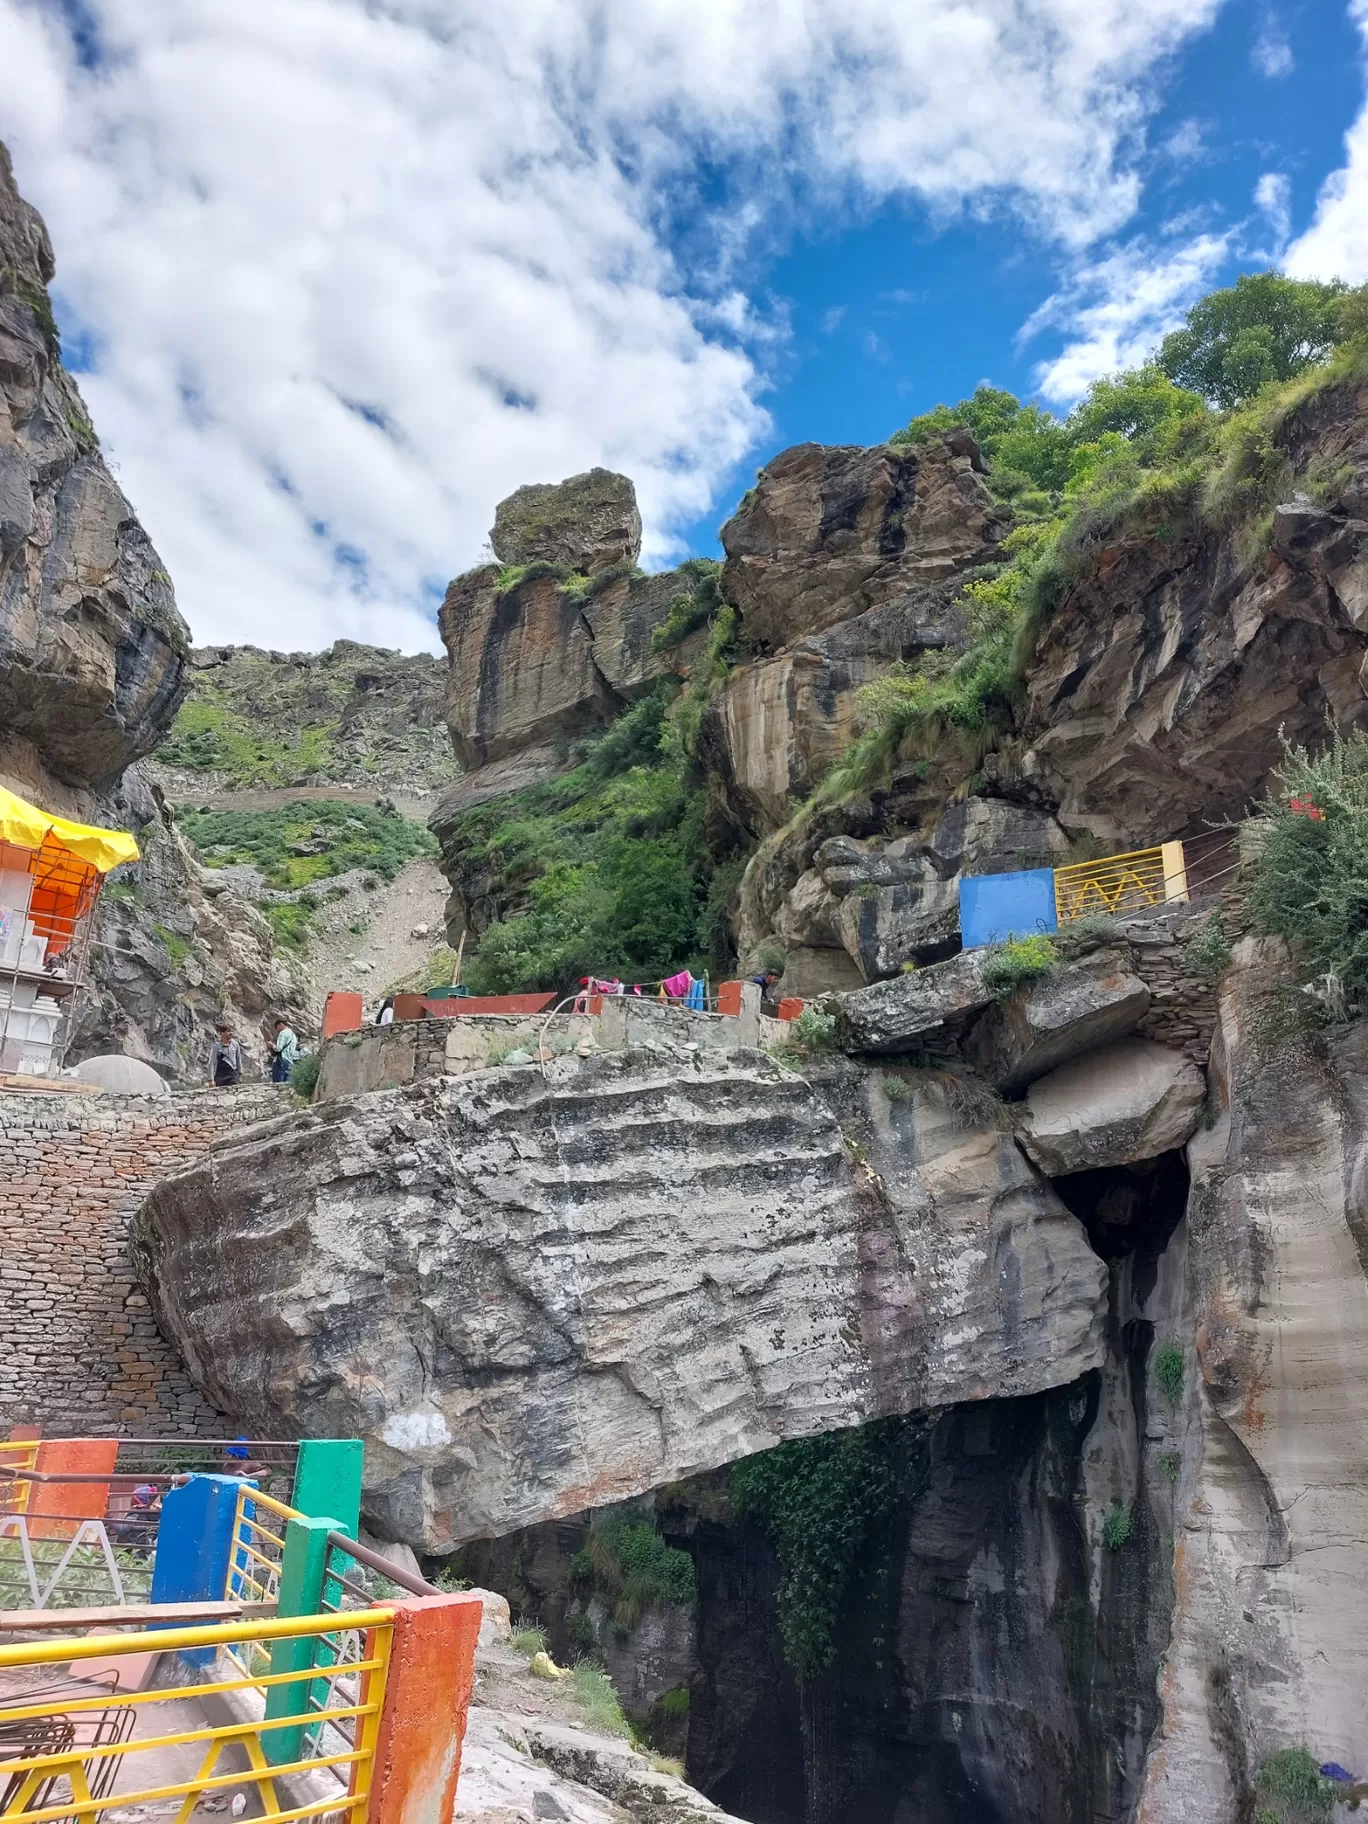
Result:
[{"x": 694, "y": 997}]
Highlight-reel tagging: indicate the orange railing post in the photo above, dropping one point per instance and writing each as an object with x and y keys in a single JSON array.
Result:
[{"x": 427, "y": 1695}]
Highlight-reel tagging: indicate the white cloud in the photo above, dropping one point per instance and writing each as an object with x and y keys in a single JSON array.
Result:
[
  {"x": 1335, "y": 246},
  {"x": 1119, "y": 307},
  {"x": 1273, "y": 198},
  {"x": 359, "y": 267},
  {"x": 1270, "y": 53}
]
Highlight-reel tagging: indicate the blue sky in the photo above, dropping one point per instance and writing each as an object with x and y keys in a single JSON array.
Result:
[
  {"x": 338, "y": 275},
  {"x": 893, "y": 313}
]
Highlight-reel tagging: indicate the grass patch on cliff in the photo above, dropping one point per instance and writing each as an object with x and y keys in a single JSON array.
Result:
[
  {"x": 212, "y": 734},
  {"x": 1292, "y": 1788},
  {"x": 629, "y": 1564},
  {"x": 308, "y": 841},
  {"x": 1017, "y": 963},
  {"x": 1139, "y": 453}
]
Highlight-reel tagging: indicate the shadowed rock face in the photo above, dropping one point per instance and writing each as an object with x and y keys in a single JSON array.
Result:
[
  {"x": 92, "y": 650},
  {"x": 532, "y": 1298},
  {"x": 1270, "y": 1621}
]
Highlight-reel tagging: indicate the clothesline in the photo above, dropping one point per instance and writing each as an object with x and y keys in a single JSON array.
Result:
[{"x": 681, "y": 986}]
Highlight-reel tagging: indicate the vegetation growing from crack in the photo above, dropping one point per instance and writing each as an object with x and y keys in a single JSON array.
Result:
[
  {"x": 1169, "y": 1367},
  {"x": 1310, "y": 871},
  {"x": 1292, "y": 1788},
  {"x": 1208, "y": 953},
  {"x": 1018, "y": 962},
  {"x": 1117, "y": 1529},
  {"x": 1192, "y": 438},
  {"x": 818, "y": 1499},
  {"x": 628, "y": 1563}
]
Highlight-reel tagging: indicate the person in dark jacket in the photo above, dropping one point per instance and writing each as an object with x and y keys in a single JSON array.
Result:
[{"x": 225, "y": 1060}]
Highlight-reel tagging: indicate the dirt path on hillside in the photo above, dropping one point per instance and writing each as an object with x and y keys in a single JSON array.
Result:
[{"x": 366, "y": 940}]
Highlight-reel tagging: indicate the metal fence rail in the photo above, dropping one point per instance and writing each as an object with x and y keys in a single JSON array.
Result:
[
  {"x": 1120, "y": 883},
  {"x": 41, "y": 1751}
]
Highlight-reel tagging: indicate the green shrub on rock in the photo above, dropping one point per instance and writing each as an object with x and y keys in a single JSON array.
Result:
[
  {"x": 1290, "y": 1782},
  {"x": 1020, "y": 960}
]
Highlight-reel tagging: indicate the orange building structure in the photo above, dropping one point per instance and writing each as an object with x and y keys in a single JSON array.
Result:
[{"x": 51, "y": 871}]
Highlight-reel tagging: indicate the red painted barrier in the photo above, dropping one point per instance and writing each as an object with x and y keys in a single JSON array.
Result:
[
  {"x": 55, "y": 1509},
  {"x": 452, "y": 1009},
  {"x": 410, "y": 1007},
  {"x": 729, "y": 997},
  {"x": 341, "y": 1013},
  {"x": 790, "y": 1007},
  {"x": 427, "y": 1697}
]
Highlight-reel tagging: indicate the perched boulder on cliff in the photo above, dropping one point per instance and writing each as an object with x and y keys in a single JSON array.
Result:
[
  {"x": 92, "y": 650},
  {"x": 541, "y": 657},
  {"x": 1112, "y": 1106},
  {"x": 584, "y": 524},
  {"x": 829, "y": 533},
  {"x": 534, "y": 1297}
]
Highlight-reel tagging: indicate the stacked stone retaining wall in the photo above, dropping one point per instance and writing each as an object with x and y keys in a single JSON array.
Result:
[{"x": 79, "y": 1351}]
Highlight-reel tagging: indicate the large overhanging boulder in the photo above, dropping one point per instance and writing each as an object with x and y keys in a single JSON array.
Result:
[
  {"x": 1116, "y": 1105},
  {"x": 534, "y": 1297}
]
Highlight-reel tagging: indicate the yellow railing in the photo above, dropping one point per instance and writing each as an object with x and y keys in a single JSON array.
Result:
[
  {"x": 14, "y": 1495},
  {"x": 1120, "y": 883},
  {"x": 31, "y": 1783},
  {"x": 255, "y": 1559}
]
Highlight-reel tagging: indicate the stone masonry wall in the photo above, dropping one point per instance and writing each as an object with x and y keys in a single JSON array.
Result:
[{"x": 79, "y": 1351}]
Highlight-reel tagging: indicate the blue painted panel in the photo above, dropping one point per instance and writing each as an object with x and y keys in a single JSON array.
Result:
[
  {"x": 994, "y": 907},
  {"x": 193, "y": 1542}
]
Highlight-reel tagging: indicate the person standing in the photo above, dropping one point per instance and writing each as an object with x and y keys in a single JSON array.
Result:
[
  {"x": 284, "y": 1052},
  {"x": 225, "y": 1059}
]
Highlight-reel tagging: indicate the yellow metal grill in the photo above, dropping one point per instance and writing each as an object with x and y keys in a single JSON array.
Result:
[
  {"x": 62, "y": 1781},
  {"x": 1120, "y": 883},
  {"x": 254, "y": 1564}
]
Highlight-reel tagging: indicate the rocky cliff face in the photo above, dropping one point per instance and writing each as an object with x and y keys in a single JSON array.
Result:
[
  {"x": 555, "y": 639},
  {"x": 92, "y": 650},
  {"x": 1158, "y": 689},
  {"x": 1270, "y": 1564},
  {"x": 93, "y": 665}
]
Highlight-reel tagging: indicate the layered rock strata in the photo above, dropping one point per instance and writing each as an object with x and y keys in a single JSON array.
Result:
[
  {"x": 1158, "y": 690},
  {"x": 532, "y": 1296}
]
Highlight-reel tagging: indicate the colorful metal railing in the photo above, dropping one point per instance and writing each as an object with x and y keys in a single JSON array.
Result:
[
  {"x": 16, "y": 1456},
  {"x": 255, "y": 1559},
  {"x": 39, "y": 1755},
  {"x": 1120, "y": 883}
]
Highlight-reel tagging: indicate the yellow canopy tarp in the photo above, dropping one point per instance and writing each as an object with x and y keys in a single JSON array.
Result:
[{"x": 27, "y": 827}]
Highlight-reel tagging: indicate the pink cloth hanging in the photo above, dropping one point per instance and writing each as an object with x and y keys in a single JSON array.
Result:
[{"x": 677, "y": 986}]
